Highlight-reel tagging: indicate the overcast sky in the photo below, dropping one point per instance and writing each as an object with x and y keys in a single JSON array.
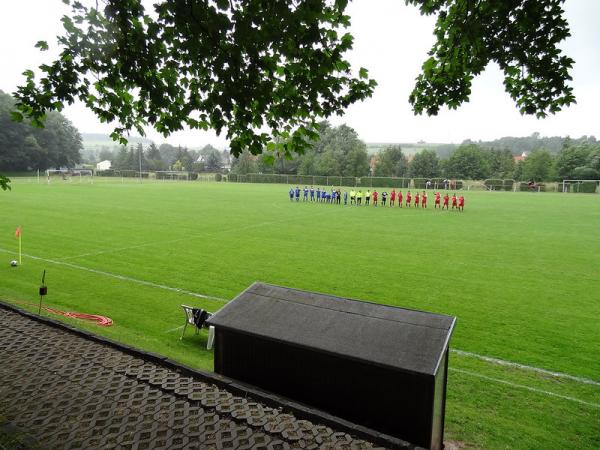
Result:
[{"x": 391, "y": 40}]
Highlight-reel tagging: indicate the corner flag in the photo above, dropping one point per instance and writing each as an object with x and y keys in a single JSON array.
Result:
[{"x": 18, "y": 236}]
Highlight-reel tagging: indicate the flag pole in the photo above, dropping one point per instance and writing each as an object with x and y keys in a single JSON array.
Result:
[{"x": 18, "y": 233}]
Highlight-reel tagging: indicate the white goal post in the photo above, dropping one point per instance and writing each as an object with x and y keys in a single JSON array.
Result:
[{"x": 70, "y": 175}]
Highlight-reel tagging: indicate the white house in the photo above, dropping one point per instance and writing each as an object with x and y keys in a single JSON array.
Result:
[{"x": 103, "y": 165}]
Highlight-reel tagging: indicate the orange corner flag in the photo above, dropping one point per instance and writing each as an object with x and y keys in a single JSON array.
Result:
[{"x": 18, "y": 236}]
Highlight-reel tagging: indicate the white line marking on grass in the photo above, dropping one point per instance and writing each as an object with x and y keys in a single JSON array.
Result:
[
  {"x": 528, "y": 388},
  {"x": 187, "y": 238},
  {"x": 121, "y": 277},
  {"x": 175, "y": 329},
  {"x": 209, "y": 297},
  {"x": 502, "y": 362}
]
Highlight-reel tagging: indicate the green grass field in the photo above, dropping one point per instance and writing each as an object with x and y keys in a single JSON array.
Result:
[{"x": 520, "y": 271}]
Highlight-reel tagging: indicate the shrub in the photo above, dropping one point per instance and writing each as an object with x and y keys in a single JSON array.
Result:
[
  {"x": 508, "y": 185},
  {"x": 218, "y": 177}
]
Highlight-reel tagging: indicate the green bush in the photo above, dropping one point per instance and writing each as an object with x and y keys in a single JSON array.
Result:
[
  {"x": 233, "y": 177},
  {"x": 193, "y": 175},
  {"x": 508, "y": 184},
  {"x": 218, "y": 177}
]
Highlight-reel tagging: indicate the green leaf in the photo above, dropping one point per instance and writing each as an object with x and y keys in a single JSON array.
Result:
[
  {"x": 268, "y": 159},
  {"x": 42, "y": 45},
  {"x": 363, "y": 73},
  {"x": 16, "y": 116},
  {"x": 4, "y": 183}
]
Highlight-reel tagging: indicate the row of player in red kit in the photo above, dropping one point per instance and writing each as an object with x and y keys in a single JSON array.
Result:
[{"x": 421, "y": 199}]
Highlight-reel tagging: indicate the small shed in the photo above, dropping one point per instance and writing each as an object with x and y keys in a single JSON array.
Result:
[{"x": 378, "y": 366}]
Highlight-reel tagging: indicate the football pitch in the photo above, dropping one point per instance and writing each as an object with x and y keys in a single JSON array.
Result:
[{"x": 521, "y": 271}]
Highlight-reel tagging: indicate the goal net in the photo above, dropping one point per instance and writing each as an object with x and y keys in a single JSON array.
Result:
[
  {"x": 69, "y": 176},
  {"x": 579, "y": 186}
]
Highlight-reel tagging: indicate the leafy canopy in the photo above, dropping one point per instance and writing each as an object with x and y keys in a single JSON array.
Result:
[
  {"x": 239, "y": 65},
  {"x": 521, "y": 36},
  {"x": 246, "y": 66}
]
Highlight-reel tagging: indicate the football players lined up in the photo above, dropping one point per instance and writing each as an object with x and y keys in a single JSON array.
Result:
[{"x": 356, "y": 197}]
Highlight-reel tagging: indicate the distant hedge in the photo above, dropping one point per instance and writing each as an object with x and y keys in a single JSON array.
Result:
[
  {"x": 121, "y": 173},
  {"x": 173, "y": 176}
]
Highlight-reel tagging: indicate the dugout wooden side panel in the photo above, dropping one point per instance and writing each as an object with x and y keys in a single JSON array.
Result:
[{"x": 378, "y": 366}]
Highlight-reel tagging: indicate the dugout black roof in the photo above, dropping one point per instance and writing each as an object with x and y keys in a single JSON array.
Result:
[{"x": 393, "y": 337}]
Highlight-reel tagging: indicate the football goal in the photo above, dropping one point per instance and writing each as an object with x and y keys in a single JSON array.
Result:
[
  {"x": 69, "y": 176},
  {"x": 579, "y": 186}
]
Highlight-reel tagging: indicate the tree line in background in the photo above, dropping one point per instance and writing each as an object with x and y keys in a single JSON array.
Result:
[
  {"x": 59, "y": 145},
  {"x": 23, "y": 147},
  {"x": 165, "y": 157},
  {"x": 339, "y": 152}
]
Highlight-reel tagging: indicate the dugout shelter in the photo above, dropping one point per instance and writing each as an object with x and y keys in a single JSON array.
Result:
[{"x": 381, "y": 367}]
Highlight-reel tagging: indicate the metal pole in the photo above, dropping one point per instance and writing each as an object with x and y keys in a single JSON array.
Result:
[{"x": 140, "y": 158}]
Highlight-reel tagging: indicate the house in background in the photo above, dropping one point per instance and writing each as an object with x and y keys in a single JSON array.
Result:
[
  {"x": 518, "y": 159},
  {"x": 103, "y": 165}
]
